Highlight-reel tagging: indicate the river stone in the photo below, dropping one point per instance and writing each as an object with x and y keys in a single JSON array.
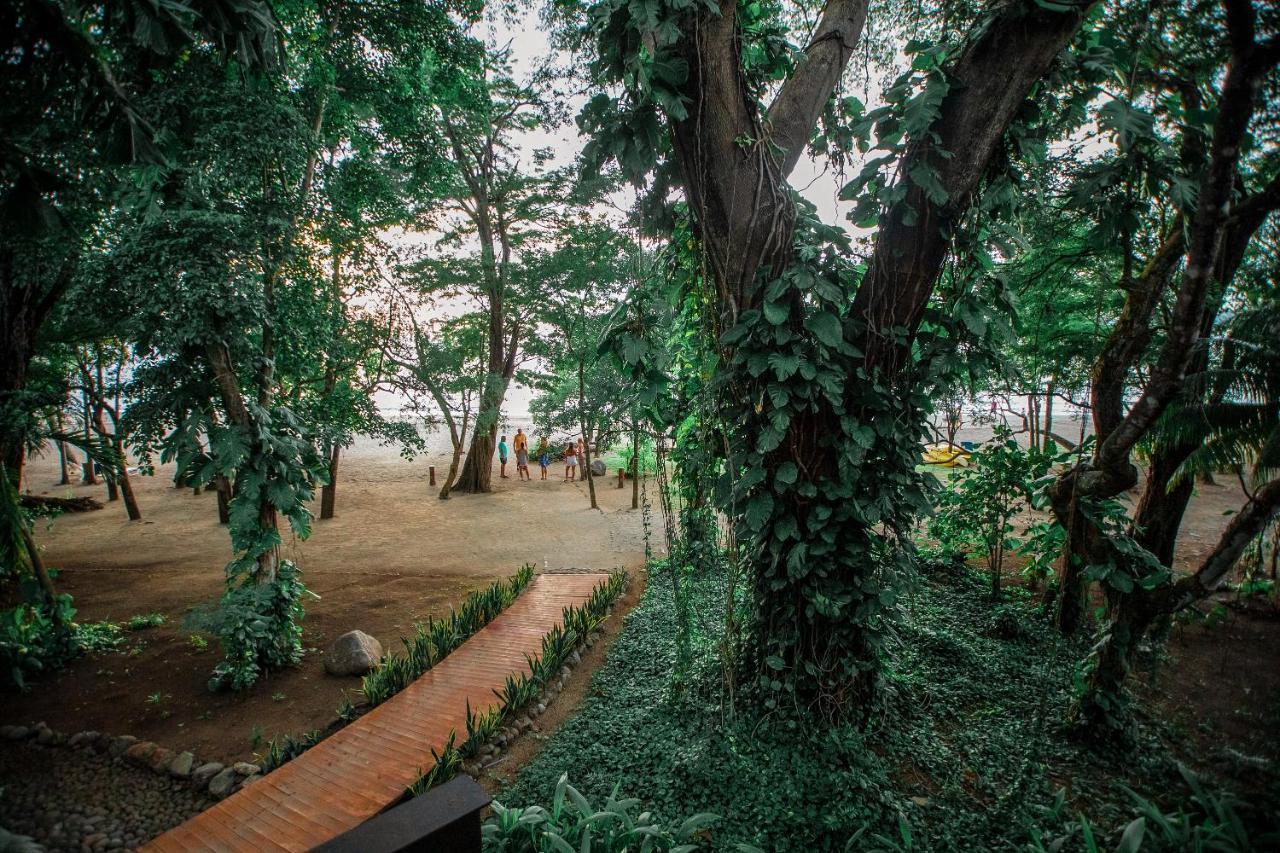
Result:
[
  {"x": 140, "y": 753},
  {"x": 121, "y": 744},
  {"x": 244, "y": 768},
  {"x": 15, "y": 732},
  {"x": 201, "y": 775},
  {"x": 161, "y": 759},
  {"x": 597, "y": 468},
  {"x": 180, "y": 766},
  {"x": 221, "y": 784},
  {"x": 250, "y": 779},
  {"x": 44, "y": 736},
  {"x": 354, "y": 653}
]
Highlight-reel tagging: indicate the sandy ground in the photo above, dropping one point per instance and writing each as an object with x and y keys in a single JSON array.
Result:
[{"x": 394, "y": 554}]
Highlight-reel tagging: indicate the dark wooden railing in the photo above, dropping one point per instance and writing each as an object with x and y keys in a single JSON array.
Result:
[{"x": 443, "y": 820}]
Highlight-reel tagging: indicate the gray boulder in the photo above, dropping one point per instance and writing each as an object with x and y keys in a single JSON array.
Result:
[
  {"x": 222, "y": 784},
  {"x": 201, "y": 775},
  {"x": 180, "y": 766},
  {"x": 597, "y": 468},
  {"x": 354, "y": 653}
]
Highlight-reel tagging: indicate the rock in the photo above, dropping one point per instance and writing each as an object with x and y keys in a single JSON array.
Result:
[
  {"x": 244, "y": 768},
  {"x": 354, "y": 653},
  {"x": 920, "y": 801},
  {"x": 597, "y": 468},
  {"x": 564, "y": 673},
  {"x": 82, "y": 739},
  {"x": 140, "y": 753},
  {"x": 250, "y": 779},
  {"x": 180, "y": 766},
  {"x": 542, "y": 708},
  {"x": 44, "y": 736},
  {"x": 121, "y": 744},
  {"x": 201, "y": 775},
  {"x": 161, "y": 759},
  {"x": 575, "y": 657},
  {"x": 14, "y": 732},
  {"x": 220, "y": 785}
]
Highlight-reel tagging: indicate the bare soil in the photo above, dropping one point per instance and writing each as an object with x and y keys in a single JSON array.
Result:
[{"x": 394, "y": 554}]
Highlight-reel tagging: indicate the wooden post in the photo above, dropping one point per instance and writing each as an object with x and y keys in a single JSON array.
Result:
[
  {"x": 432, "y": 469},
  {"x": 622, "y": 476}
]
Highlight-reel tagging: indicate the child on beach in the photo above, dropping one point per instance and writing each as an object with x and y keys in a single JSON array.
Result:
[
  {"x": 502, "y": 457},
  {"x": 544, "y": 456}
]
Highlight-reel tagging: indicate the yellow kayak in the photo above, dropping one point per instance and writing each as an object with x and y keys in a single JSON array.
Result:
[{"x": 947, "y": 457}]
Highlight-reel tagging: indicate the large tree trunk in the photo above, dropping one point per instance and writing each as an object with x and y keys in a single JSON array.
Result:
[
  {"x": 745, "y": 217},
  {"x": 223, "y": 487},
  {"x": 477, "y": 470}
]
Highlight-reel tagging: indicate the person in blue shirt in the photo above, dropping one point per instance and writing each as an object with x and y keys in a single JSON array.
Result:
[{"x": 502, "y": 457}]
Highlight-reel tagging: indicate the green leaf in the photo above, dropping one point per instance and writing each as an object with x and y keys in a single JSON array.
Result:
[
  {"x": 826, "y": 328},
  {"x": 777, "y": 313}
]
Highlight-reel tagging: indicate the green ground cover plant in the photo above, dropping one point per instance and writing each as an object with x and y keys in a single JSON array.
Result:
[{"x": 965, "y": 751}]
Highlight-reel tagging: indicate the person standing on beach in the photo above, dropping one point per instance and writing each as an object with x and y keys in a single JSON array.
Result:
[
  {"x": 570, "y": 464},
  {"x": 522, "y": 455},
  {"x": 502, "y": 457}
]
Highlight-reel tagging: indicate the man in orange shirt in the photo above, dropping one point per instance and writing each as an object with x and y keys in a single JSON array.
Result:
[{"x": 521, "y": 443}]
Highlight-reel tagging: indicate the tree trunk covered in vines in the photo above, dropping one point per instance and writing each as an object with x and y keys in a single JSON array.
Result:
[
  {"x": 817, "y": 605},
  {"x": 238, "y": 415}
]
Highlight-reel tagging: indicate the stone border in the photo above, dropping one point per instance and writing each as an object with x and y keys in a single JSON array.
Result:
[{"x": 213, "y": 777}]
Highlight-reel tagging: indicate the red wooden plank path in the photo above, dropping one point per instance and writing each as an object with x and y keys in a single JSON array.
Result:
[{"x": 361, "y": 769}]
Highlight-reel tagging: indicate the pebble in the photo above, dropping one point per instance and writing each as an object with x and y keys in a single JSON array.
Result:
[
  {"x": 244, "y": 768},
  {"x": 84, "y": 800}
]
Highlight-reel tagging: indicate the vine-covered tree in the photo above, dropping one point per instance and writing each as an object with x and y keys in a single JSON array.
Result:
[{"x": 816, "y": 371}]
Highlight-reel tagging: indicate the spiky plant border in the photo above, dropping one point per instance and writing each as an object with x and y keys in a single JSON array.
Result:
[{"x": 520, "y": 690}]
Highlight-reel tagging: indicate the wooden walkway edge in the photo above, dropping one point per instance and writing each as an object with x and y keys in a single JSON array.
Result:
[{"x": 362, "y": 769}]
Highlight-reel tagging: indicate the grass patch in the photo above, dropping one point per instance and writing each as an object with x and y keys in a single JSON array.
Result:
[{"x": 963, "y": 752}]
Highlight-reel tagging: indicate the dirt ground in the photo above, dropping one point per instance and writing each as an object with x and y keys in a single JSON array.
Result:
[{"x": 394, "y": 554}]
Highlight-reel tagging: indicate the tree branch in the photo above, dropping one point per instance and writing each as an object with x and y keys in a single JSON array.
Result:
[{"x": 796, "y": 109}]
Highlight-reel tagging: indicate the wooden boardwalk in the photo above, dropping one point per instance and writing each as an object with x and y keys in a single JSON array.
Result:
[{"x": 362, "y": 769}]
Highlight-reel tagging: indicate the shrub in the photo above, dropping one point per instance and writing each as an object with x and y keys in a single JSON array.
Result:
[
  {"x": 571, "y": 823},
  {"x": 32, "y": 641}
]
